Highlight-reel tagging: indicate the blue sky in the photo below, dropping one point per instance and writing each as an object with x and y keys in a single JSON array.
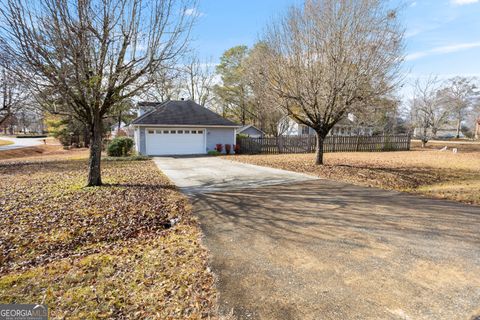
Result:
[{"x": 442, "y": 36}]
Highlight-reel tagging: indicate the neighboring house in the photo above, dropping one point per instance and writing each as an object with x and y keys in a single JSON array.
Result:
[
  {"x": 127, "y": 130},
  {"x": 345, "y": 127},
  {"x": 180, "y": 128},
  {"x": 251, "y": 131}
]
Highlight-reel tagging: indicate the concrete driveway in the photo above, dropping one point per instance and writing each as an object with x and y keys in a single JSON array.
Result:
[
  {"x": 207, "y": 174},
  {"x": 318, "y": 249},
  {"x": 20, "y": 143}
]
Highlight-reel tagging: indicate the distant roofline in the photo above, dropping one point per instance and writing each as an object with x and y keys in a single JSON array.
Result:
[{"x": 245, "y": 127}]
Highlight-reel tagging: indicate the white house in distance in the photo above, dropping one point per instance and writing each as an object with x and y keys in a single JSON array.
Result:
[
  {"x": 345, "y": 127},
  {"x": 180, "y": 128}
]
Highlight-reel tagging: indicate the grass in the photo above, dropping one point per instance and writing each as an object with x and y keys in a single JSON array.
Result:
[
  {"x": 101, "y": 252},
  {"x": 425, "y": 171},
  {"x": 5, "y": 142}
]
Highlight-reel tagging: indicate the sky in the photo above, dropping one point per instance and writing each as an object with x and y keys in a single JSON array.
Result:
[{"x": 442, "y": 36}]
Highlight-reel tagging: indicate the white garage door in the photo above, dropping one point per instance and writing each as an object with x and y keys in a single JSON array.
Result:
[{"x": 175, "y": 141}]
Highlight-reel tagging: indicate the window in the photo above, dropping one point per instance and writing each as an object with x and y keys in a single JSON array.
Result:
[
  {"x": 158, "y": 131},
  {"x": 200, "y": 131},
  {"x": 194, "y": 131},
  {"x": 165, "y": 131},
  {"x": 305, "y": 130},
  {"x": 187, "y": 131},
  {"x": 173, "y": 131},
  {"x": 151, "y": 131},
  {"x": 180, "y": 131}
]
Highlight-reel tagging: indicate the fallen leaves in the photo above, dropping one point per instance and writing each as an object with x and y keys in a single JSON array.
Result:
[{"x": 101, "y": 252}]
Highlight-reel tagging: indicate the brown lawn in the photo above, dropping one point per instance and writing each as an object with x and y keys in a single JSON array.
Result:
[
  {"x": 426, "y": 171},
  {"x": 103, "y": 252},
  {"x": 5, "y": 142}
]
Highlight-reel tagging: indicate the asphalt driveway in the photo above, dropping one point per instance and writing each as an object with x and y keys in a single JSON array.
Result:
[{"x": 295, "y": 247}]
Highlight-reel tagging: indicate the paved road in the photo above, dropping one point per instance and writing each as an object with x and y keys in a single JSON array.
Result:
[
  {"x": 317, "y": 249},
  {"x": 20, "y": 143}
]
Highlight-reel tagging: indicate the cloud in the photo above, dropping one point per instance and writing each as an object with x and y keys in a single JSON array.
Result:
[
  {"x": 193, "y": 12},
  {"x": 463, "y": 2},
  {"x": 443, "y": 50}
]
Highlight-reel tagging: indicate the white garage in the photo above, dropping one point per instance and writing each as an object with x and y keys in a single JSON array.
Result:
[
  {"x": 180, "y": 128},
  {"x": 175, "y": 141}
]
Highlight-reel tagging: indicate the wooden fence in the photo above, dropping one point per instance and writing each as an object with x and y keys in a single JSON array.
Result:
[{"x": 307, "y": 144}]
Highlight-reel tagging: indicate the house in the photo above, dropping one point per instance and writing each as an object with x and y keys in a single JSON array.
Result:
[
  {"x": 180, "y": 128},
  {"x": 251, "y": 131},
  {"x": 345, "y": 127},
  {"x": 124, "y": 129}
]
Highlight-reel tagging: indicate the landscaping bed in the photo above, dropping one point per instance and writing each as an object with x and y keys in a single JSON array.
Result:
[
  {"x": 100, "y": 252},
  {"x": 439, "y": 174}
]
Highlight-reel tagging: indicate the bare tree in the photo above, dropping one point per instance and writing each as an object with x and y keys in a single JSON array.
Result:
[
  {"x": 198, "y": 79},
  {"x": 329, "y": 58},
  {"x": 93, "y": 54},
  {"x": 428, "y": 109},
  {"x": 460, "y": 93},
  {"x": 268, "y": 115},
  {"x": 166, "y": 85},
  {"x": 11, "y": 95}
]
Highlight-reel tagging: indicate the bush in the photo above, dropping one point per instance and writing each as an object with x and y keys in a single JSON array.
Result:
[
  {"x": 237, "y": 148},
  {"x": 213, "y": 153},
  {"x": 219, "y": 147},
  {"x": 120, "y": 147}
]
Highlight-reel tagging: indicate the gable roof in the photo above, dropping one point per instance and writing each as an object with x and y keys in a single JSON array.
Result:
[
  {"x": 240, "y": 130},
  {"x": 183, "y": 112}
]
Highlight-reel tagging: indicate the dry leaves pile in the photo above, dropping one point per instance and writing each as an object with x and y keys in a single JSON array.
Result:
[
  {"x": 439, "y": 174},
  {"x": 100, "y": 252}
]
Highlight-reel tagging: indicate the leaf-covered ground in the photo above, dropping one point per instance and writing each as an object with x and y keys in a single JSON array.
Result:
[
  {"x": 103, "y": 252},
  {"x": 431, "y": 172},
  {"x": 42, "y": 152}
]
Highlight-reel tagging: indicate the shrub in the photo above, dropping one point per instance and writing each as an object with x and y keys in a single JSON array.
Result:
[
  {"x": 213, "y": 153},
  {"x": 120, "y": 147},
  {"x": 228, "y": 147},
  {"x": 219, "y": 147}
]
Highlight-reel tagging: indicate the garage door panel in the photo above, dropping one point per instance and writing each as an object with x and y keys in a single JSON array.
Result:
[{"x": 175, "y": 141}]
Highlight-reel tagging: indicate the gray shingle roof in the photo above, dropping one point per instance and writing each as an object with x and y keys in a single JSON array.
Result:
[{"x": 180, "y": 113}]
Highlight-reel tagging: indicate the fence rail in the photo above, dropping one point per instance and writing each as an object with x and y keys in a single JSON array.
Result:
[{"x": 307, "y": 144}]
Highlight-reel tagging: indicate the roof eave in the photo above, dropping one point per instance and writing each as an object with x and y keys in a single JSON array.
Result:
[{"x": 184, "y": 125}]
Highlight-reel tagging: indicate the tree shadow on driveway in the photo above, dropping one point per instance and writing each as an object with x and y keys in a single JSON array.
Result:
[{"x": 323, "y": 249}]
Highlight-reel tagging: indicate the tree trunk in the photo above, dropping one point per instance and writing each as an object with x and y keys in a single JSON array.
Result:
[
  {"x": 319, "y": 149},
  {"x": 94, "y": 174},
  {"x": 459, "y": 127},
  {"x": 86, "y": 137}
]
